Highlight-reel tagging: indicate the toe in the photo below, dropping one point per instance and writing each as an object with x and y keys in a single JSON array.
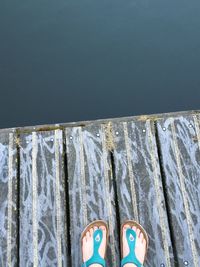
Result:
[
  {"x": 126, "y": 226},
  {"x": 88, "y": 235},
  {"x": 84, "y": 245},
  {"x": 141, "y": 236},
  {"x": 134, "y": 228},
  {"x": 95, "y": 228},
  {"x": 102, "y": 248},
  {"x": 124, "y": 240},
  {"x": 103, "y": 228},
  {"x": 91, "y": 231},
  {"x": 144, "y": 242},
  {"x": 138, "y": 232},
  {"x": 84, "y": 240}
]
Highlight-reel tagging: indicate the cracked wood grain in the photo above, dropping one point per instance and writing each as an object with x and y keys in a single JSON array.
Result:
[
  {"x": 91, "y": 192},
  {"x": 8, "y": 200},
  {"x": 137, "y": 166},
  {"x": 42, "y": 218},
  {"x": 180, "y": 150}
]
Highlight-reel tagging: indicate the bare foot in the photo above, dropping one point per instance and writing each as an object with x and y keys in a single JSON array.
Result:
[
  {"x": 140, "y": 245},
  {"x": 87, "y": 244}
]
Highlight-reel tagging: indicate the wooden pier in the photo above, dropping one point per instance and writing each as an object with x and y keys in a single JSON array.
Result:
[{"x": 55, "y": 179}]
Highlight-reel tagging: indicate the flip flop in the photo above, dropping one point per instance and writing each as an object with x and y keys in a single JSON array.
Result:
[
  {"x": 97, "y": 237},
  {"x": 131, "y": 239}
]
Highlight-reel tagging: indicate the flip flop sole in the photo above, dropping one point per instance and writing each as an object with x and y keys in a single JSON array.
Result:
[
  {"x": 96, "y": 223},
  {"x": 134, "y": 223}
]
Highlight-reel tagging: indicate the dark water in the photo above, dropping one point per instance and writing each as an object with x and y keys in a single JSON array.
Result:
[{"x": 75, "y": 60}]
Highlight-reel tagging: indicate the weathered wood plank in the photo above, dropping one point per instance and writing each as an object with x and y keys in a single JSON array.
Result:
[
  {"x": 180, "y": 148},
  {"x": 91, "y": 192},
  {"x": 91, "y": 183},
  {"x": 8, "y": 200},
  {"x": 42, "y": 200},
  {"x": 139, "y": 186},
  {"x": 50, "y": 127}
]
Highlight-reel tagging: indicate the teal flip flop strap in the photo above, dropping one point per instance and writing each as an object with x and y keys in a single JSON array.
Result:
[
  {"x": 96, "y": 258},
  {"x": 131, "y": 257}
]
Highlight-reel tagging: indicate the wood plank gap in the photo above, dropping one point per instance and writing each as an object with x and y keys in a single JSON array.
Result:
[
  {"x": 67, "y": 210},
  {"x": 58, "y": 207},
  {"x": 108, "y": 200},
  {"x": 197, "y": 129},
  {"x": 117, "y": 210}
]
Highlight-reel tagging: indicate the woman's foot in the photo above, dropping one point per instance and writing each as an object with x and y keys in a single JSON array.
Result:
[
  {"x": 87, "y": 244},
  {"x": 140, "y": 245}
]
